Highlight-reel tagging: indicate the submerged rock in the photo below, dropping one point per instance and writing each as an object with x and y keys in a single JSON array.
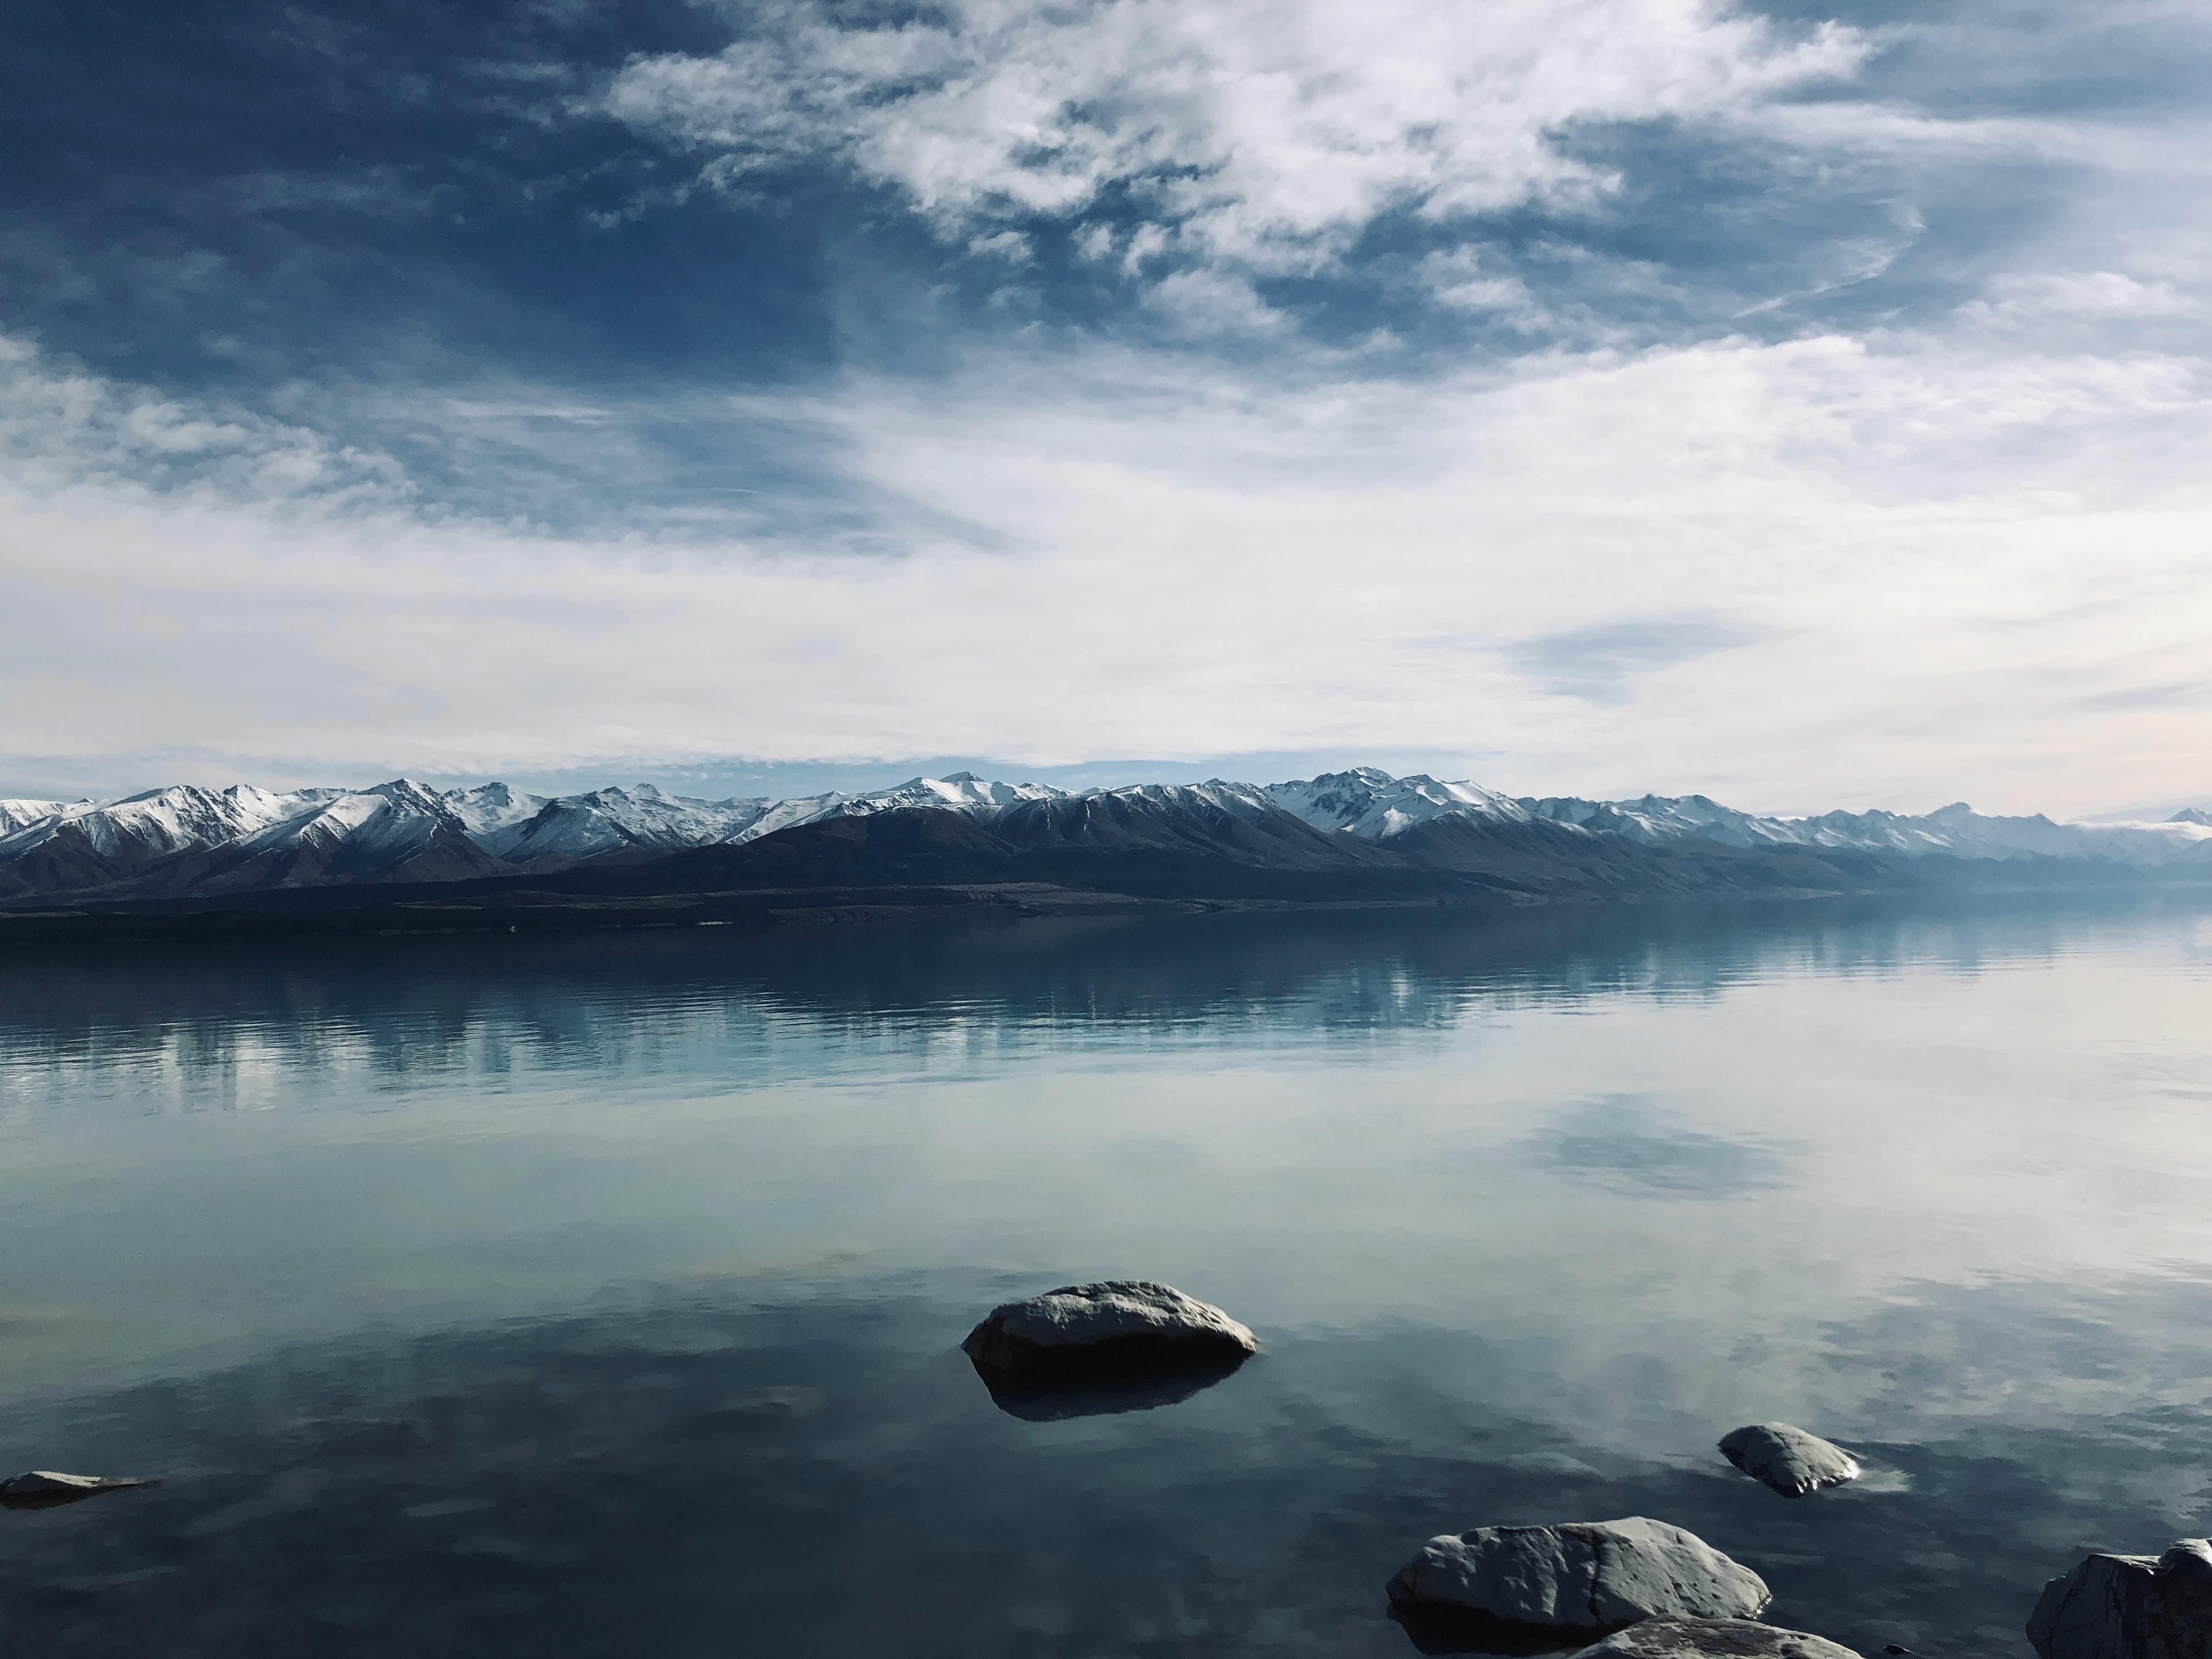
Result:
[
  {"x": 1584, "y": 1576},
  {"x": 1788, "y": 1459},
  {"x": 1128, "y": 1324},
  {"x": 2129, "y": 1606},
  {"x": 1692, "y": 1638},
  {"x": 41, "y": 1489}
]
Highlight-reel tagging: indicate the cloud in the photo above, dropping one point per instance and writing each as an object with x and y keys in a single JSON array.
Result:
[
  {"x": 1207, "y": 302},
  {"x": 2098, "y": 295},
  {"x": 1264, "y": 132},
  {"x": 1460, "y": 277},
  {"x": 1599, "y": 664},
  {"x": 61, "y": 424},
  {"x": 1075, "y": 555}
]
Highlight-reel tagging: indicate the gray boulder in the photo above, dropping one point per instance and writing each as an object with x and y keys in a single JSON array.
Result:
[
  {"x": 1129, "y": 1322},
  {"x": 1788, "y": 1459},
  {"x": 2129, "y": 1606},
  {"x": 1593, "y": 1576},
  {"x": 1693, "y": 1638},
  {"x": 42, "y": 1489}
]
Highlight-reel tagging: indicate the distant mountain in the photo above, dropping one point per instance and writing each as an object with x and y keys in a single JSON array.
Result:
[
  {"x": 1360, "y": 834},
  {"x": 1956, "y": 830},
  {"x": 2196, "y": 815}
]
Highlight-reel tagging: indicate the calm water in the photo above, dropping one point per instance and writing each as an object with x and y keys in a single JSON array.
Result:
[{"x": 601, "y": 1296}]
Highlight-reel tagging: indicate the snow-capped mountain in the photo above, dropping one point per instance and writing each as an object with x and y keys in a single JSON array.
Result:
[
  {"x": 533, "y": 831},
  {"x": 1657, "y": 819},
  {"x": 190, "y": 841},
  {"x": 19, "y": 814},
  {"x": 963, "y": 792},
  {"x": 186, "y": 839},
  {"x": 1372, "y": 804}
]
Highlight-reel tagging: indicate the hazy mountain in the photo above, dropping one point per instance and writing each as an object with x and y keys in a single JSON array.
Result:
[{"x": 1956, "y": 830}]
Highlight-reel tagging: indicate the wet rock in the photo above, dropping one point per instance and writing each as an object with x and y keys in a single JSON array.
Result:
[
  {"x": 1693, "y": 1638},
  {"x": 1133, "y": 1323},
  {"x": 1788, "y": 1459},
  {"x": 42, "y": 1489},
  {"x": 2129, "y": 1606},
  {"x": 1588, "y": 1576}
]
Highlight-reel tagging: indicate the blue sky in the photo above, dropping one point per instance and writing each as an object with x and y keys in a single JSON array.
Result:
[{"x": 1806, "y": 405}]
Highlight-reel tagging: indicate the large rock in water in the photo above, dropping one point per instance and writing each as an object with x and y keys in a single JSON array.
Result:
[
  {"x": 2129, "y": 1606},
  {"x": 1788, "y": 1459},
  {"x": 42, "y": 1489},
  {"x": 1695, "y": 1638},
  {"x": 1131, "y": 1325},
  {"x": 1585, "y": 1575}
]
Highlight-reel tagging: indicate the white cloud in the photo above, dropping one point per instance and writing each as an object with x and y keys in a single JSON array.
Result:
[
  {"x": 1460, "y": 278},
  {"x": 1267, "y": 132},
  {"x": 1932, "y": 558},
  {"x": 1008, "y": 244},
  {"x": 59, "y": 424},
  {"x": 2098, "y": 295},
  {"x": 1208, "y": 302}
]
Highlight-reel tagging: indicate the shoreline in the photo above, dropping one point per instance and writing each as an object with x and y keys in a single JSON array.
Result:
[{"x": 432, "y": 910}]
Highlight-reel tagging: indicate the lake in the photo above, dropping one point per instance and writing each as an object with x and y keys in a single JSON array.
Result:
[{"x": 602, "y": 1294}]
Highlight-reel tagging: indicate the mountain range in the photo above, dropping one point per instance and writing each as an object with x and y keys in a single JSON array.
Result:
[{"x": 1360, "y": 837}]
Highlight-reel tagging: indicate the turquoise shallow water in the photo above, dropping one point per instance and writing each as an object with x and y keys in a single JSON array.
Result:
[{"x": 602, "y": 1295}]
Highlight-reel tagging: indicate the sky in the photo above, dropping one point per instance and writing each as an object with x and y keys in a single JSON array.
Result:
[{"x": 1804, "y": 404}]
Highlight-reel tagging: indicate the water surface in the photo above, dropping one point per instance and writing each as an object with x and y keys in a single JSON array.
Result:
[{"x": 601, "y": 1295}]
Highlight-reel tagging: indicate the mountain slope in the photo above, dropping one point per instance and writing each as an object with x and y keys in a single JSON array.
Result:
[{"x": 1164, "y": 844}]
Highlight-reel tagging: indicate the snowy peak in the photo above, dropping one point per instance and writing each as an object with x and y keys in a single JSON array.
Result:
[
  {"x": 492, "y": 806},
  {"x": 1373, "y": 805},
  {"x": 18, "y": 814},
  {"x": 962, "y": 792},
  {"x": 610, "y": 822}
]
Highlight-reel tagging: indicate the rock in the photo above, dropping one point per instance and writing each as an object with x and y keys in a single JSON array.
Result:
[
  {"x": 1788, "y": 1459},
  {"x": 1692, "y": 1638},
  {"x": 42, "y": 1489},
  {"x": 2129, "y": 1606},
  {"x": 1128, "y": 1324},
  {"x": 1586, "y": 1576}
]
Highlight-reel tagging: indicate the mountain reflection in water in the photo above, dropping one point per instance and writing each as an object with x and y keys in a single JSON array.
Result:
[{"x": 604, "y": 1295}]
